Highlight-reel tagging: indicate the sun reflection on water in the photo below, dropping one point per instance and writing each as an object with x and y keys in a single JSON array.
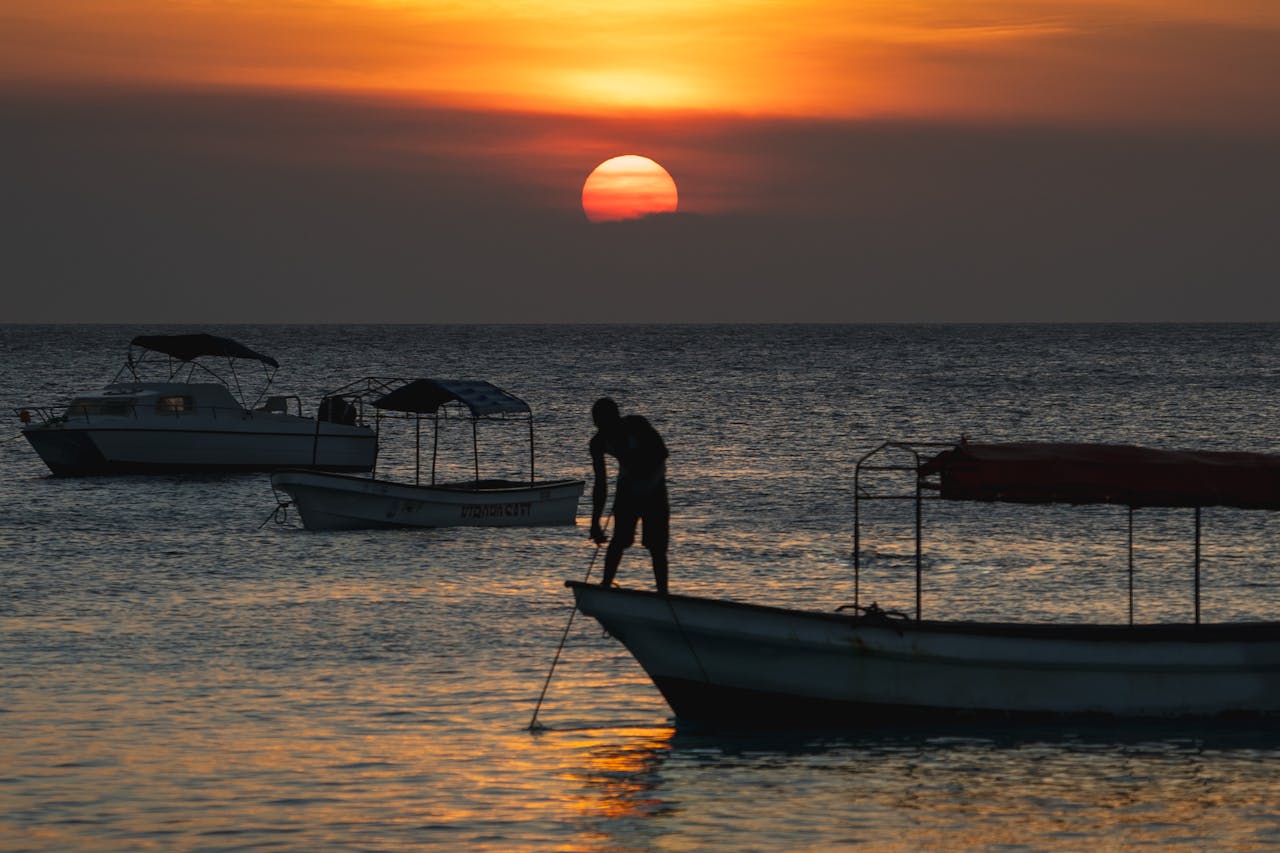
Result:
[{"x": 619, "y": 779}]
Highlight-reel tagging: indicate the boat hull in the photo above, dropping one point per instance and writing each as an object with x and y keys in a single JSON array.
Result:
[
  {"x": 251, "y": 443},
  {"x": 335, "y": 502},
  {"x": 718, "y": 662}
]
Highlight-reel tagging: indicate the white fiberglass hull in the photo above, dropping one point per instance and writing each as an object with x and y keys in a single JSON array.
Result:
[
  {"x": 231, "y": 442},
  {"x": 721, "y": 662},
  {"x": 334, "y": 502}
]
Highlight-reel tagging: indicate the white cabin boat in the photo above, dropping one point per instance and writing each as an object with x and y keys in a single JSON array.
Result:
[
  {"x": 139, "y": 426},
  {"x": 336, "y": 502},
  {"x": 720, "y": 662}
]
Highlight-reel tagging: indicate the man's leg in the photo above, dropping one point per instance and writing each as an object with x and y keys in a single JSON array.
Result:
[
  {"x": 612, "y": 557},
  {"x": 657, "y": 535},
  {"x": 624, "y": 533},
  {"x": 660, "y": 569}
]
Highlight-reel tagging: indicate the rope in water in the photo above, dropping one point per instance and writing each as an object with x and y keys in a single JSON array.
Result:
[
  {"x": 534, "y": 725},
  {"x": 280, "y": 515}
]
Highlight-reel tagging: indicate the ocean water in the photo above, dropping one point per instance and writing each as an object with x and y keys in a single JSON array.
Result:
[{"x": 181, "y": 671}]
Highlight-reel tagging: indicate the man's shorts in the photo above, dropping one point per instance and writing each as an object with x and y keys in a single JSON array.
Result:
[{"x": 651, "y": 510}]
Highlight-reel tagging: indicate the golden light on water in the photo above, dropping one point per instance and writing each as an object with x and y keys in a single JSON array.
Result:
[{"x": 618, "y": 778}]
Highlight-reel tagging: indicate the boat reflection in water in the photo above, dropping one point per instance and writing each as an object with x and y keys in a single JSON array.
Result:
[
  {"x": 901, "y": 788},
  {"x": 720, "y": 662}
]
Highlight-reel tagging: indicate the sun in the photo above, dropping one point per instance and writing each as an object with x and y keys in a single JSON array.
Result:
[{"x": 628, "y": 187}]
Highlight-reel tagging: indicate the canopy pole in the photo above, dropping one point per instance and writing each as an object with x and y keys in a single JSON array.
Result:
[
  {"x": 475, "y": 444},
  {"x": 417, "y": 450},
  {"x": 857, "y": 537},
  {"x": 1197, "y": 590},
  {"x": 919, "y": 538},
  {"x": 435, "y": 448},
  {"x": 532, "y": 478},
  {"x": 1130, "y": 565},
  {"x": 231, "y": 363}
]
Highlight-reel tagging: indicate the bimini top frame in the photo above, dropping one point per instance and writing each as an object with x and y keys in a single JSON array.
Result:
[
  {"x": 440, "y": 399},
  {"x": 183, "y": 352},
  {"x": 1031, "y": 472}
]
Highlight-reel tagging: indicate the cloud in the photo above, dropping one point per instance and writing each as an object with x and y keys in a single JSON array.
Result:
[{"x": 1175, "y": 61}]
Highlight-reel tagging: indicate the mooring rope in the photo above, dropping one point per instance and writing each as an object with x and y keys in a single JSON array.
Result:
[
  {"x": 534, "y": 725},
  {"x": 280, "y": 514}
]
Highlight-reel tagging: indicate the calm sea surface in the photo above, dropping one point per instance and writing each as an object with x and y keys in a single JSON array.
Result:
[{"x": 178, "y": 671}]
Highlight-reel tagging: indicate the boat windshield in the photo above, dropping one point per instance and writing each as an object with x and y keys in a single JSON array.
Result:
[
  {"x": 174, "y": 405},
  {"x": 85, "y": 407}
]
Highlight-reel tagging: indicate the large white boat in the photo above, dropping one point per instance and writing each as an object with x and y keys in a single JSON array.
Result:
[
  {"x": 338, "y": 502},
  {"x": 721, "y": 662},
  {"x": 136, "y": 425}
]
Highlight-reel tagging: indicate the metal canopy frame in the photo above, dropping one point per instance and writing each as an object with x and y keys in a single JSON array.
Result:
[
  {"x": 457, "y": 410},
  {"x": 926, "y": 487},
  {"x": 357, "y": 394},
  {"x": 363, "y": 392},
  {"x": 139, "y": 357}
]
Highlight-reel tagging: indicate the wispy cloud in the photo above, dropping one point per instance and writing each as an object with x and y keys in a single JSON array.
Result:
[{"x": 1107, "y": 60}]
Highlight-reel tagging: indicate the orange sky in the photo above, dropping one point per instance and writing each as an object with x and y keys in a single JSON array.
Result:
[
  {"x": 885, "y": 159},
  {"x": 1163, "y": 61}
]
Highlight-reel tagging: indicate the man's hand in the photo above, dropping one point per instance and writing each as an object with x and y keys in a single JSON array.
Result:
[{"x": 598, "y": 536}]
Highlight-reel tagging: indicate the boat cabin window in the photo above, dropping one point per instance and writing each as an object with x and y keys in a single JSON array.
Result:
[
  {"x": 120, "y": 407},
  {"x": 173, "y": 405}
]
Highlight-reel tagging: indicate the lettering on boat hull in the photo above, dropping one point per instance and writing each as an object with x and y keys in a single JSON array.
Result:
[{"x": 519, "y": 509}]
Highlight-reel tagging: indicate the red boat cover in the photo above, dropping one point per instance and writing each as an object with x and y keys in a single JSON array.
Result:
[{"x": 1106, "y": 473}]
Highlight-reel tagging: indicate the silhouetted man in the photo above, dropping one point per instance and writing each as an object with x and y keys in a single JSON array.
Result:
[{"x": 641, "y": 490}]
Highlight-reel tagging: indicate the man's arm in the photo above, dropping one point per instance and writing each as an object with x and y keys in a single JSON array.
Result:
[{"x": 599, "y": 488}]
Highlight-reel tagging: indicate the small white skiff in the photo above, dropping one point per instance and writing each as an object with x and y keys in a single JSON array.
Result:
[{"x": 336, "y": 502}]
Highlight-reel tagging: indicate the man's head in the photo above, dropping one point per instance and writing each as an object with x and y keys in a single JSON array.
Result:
[{"x": 605, "y": 413}]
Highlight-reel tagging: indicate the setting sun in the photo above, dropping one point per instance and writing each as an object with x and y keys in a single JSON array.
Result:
[{"x": 628, "y": 187}]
